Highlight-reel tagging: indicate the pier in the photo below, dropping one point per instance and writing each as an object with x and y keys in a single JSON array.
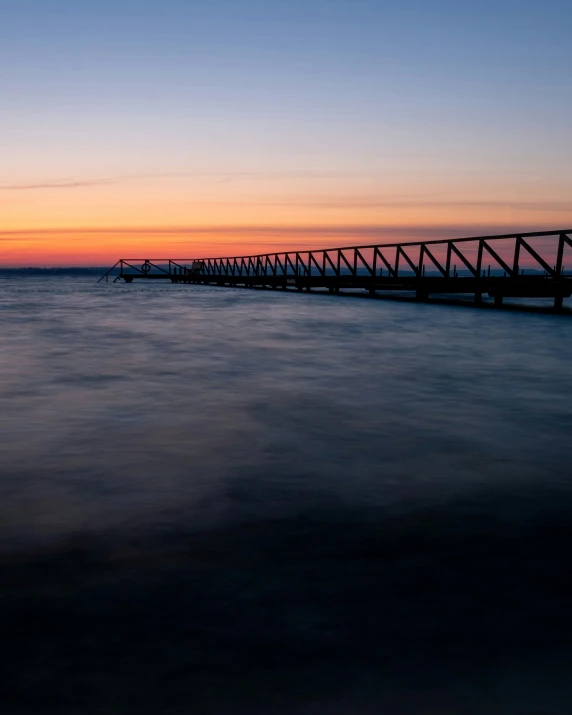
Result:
[{"x": 523, "y": 265}]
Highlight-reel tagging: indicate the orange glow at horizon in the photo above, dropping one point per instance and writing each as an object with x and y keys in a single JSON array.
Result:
[{"x": 94, "y": 223}]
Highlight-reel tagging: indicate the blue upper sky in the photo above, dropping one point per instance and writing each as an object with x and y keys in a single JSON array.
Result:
[
  {"x": 340, "y": 71},
  {"x": 428, "y": 97}
]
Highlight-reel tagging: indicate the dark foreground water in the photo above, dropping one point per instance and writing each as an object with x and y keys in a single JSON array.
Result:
[{"x": 239, "y": 502}]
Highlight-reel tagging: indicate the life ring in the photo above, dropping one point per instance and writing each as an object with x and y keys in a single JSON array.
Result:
[{"x": 145, "y": 268}]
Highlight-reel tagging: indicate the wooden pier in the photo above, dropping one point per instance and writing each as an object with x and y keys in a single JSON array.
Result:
[{"x": 524, "y": 265}]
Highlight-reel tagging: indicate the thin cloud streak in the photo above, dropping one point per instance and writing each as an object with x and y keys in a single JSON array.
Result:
[
  {"x": 373, "y": 203},
  {"x": 60, "y": 184},
  {"x": 218, "y": 175},
  {"x": 233, "y": 230},
  {"x": 264, "y": 234},
  {"x": 329, "y": 203}
]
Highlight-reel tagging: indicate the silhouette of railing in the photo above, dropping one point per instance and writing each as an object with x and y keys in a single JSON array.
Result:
[{"x": 500, "y": 265}]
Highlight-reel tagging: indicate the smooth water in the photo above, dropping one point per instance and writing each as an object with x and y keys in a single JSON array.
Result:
[{"x": 238, "y": 501}]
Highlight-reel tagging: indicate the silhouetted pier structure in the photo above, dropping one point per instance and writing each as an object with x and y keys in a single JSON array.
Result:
[{"x": 523, "y": 265}]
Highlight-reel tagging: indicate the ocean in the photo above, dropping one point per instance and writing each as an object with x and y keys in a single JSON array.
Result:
[{"x": 232, "y": 501}]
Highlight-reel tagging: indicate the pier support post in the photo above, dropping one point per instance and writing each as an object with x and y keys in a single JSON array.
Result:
[
  {"x": 498, "y": 301},
  {"x": 558, "y": 302},
  {"x": 421, "y": 293},
  {"x": 478, "y": 298}
]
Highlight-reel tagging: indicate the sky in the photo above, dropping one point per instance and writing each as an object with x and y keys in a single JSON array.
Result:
[{"x": 186, "y": 128}]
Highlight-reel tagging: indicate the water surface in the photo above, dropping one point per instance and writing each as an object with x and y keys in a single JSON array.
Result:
[{"x": 238, "y": 501}]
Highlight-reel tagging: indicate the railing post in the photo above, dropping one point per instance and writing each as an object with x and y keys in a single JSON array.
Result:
[
  {"x": 479, "y": 258},
  {"x": 558, "y": 299},
  {"x": 560, "y": 255},
  {"x": 448, "y": 263},
  {"x": 516, "y": 256},
  {"x": 421, "y": 254},
  {"x": 478, "y": 294}
]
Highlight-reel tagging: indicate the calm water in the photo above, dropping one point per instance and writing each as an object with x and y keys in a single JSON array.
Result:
[{"x": 233, "y": 501}]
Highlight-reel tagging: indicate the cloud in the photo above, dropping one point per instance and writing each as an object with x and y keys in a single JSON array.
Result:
[
  {"x": 330, "y": 203},
  {"x": 238, "y": 231},
  {"x": 424, "y": 201},
  {"x": 57, "y": 184},
  {"x": 270, "y": 236},
  {"x": 220, "y": 176}
]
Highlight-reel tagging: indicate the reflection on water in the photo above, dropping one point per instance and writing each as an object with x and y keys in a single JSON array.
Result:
[{"x": 229, "y": 501}]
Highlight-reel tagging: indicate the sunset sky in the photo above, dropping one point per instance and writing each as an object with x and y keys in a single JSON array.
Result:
[{"x": 221, "y": 127}]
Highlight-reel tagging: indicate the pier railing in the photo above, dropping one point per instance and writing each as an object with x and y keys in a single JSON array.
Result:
[{"x": 521, "y": 264}]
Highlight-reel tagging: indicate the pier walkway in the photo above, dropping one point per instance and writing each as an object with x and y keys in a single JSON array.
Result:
[{"x": 524, "y": 265}]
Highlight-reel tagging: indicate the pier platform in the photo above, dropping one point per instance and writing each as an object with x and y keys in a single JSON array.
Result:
[{"x": 524, "y": 265}]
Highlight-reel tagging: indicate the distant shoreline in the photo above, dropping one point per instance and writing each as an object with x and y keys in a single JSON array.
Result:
[{"x": 62, "y": 271}]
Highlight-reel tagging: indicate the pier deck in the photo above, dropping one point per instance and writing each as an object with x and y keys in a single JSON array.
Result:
[{"x": 524, "y": 265}]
